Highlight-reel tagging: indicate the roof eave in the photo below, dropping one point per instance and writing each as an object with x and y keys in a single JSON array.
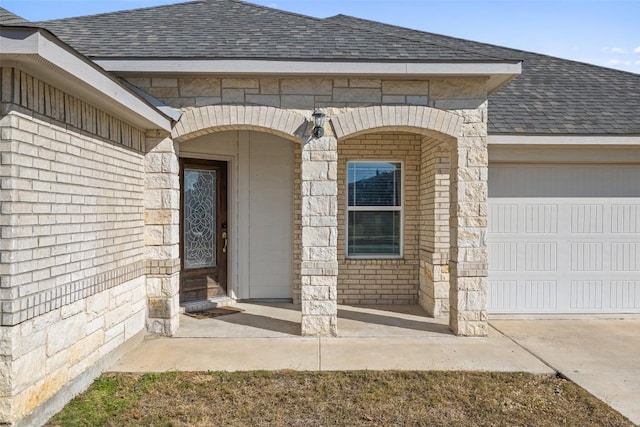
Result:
[
  {"x": 562, "y": 140},
  {"x": 44, "y": 56},
  {"x": 499, "y": 72}
]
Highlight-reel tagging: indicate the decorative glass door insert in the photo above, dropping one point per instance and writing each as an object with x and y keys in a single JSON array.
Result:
[
  {"x": 199, "y": 218},
  {"x": 203, "y": 231}
]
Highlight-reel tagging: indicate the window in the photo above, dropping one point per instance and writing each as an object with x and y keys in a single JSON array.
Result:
[{"x": 374, "y": 209}]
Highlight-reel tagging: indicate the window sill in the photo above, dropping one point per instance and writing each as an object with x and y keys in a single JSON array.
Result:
[{"x": 373, "y": 258}]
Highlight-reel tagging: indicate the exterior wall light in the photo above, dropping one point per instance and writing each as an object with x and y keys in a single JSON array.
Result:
[{"x": 318, "y": 121}]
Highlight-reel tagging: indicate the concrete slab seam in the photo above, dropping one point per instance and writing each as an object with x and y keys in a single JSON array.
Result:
[{"x": 558, "y": 373}]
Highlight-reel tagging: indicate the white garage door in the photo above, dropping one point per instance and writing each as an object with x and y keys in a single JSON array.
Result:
[{"x": 564, "y": 239}]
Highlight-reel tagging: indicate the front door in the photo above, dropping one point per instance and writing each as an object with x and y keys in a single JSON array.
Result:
[{"x": 203, "y": 226}]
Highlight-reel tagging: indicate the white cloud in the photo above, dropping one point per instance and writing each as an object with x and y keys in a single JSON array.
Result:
[
  {"x": 637, "y": 62},
  {"x": 614, "y": 50},
  {"x": 619, "y": 62},
  {"x": 636, "y": 50}
]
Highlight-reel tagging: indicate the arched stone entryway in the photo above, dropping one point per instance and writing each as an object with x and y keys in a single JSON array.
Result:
[
  {"x": 453, "y": 193},
  {"x": 458, "y": 136},
  {"x": 404, "y": 118},
  {"x": 216, "y": 118},
  {"x": 162, "y": 193}
]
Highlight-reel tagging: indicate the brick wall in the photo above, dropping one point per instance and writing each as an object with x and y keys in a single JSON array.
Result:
[
  {"x": 434, "y": 227},
  {"x": 71, "y": 259},
  {"x": 381, "y": 281}
]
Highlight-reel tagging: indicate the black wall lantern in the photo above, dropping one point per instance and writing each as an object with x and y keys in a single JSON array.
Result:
[{"x": 318, "y": 123}]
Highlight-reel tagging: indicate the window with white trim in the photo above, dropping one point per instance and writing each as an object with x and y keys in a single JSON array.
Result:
[{"x": 374, "y": 209}]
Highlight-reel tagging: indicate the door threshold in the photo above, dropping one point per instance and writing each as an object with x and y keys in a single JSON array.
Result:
[
  {"x": 205, "y": 304},
  {"x": 267, "y": 300}
]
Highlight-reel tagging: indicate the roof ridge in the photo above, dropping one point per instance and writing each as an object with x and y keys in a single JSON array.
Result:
[
  {"x": 588, "y": 64},
  {"x": 273, "y": 9},
  {"x": 117, "y": 12},
  {"x": 179, "y": 3},
  {"x": 341, "y": 15},
  {"x": 370, "y": 29},
  {"x": 515, "y": 50},
  {"x": 363, "y": 20},
  {"x": 9, "y": 18}
]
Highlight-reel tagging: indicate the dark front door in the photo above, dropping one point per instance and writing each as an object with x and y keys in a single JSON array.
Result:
[{"x": 204, "y": 234}]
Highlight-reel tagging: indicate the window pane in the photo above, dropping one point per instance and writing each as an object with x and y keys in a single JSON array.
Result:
[
  {"x": 199, "y": 218},
  {"x": 374, "y": 233},
  {"x": 374, "y": 183}
]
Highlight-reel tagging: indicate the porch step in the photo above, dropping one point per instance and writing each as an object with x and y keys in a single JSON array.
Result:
[{"x": 192, "y": 306}]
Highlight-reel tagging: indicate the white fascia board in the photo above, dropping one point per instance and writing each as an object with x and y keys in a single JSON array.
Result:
[
  {"x": 331, "y": 68},
  {"x": 46, "y": 58},
  {"x": 563, "y": 140},
  {"x": 13, "y": 42}
]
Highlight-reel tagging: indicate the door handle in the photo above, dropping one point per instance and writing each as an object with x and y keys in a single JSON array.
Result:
[{"x": 224, "y": 236}]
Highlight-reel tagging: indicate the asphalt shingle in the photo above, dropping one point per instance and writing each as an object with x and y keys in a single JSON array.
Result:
[
  {"x": 552, "y": 96},
  {"x": 9, "y": 18},
  {"x": 234, "y": 29}
]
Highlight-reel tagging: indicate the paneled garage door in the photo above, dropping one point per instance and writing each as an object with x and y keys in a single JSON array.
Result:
[{"x": 564, "y": 239}]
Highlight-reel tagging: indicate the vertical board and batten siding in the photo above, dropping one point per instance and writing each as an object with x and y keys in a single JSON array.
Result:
[
  {"x": 564, "y": 238},
  {"x": 271, "y": 216}
]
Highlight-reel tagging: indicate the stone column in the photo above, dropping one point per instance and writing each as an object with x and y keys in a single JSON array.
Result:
[
  {"x": 469, "y": 257},
  {"x": 162, "y": 234},
  {"x": 433, "y": 296},
  {"x": 319, "y": 267}
]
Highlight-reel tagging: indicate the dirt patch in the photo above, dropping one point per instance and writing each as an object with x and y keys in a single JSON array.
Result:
[{"x": 360, "y": 398}]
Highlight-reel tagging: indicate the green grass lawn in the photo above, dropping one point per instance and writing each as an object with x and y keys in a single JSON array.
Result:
[{"x": 361, "y": 398}]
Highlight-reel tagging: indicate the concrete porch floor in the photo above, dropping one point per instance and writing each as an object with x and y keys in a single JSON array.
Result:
[
  {"x": 265, "y": 320},
  {"x": 267, "y": 337}
]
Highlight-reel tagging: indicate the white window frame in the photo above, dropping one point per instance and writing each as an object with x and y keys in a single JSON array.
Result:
[{"x": 374, "y": 208}]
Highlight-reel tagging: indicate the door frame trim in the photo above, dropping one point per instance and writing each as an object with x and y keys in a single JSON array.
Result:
[
  {"x": 193, "y": 160},
  {"x": 232, "y": 216}
]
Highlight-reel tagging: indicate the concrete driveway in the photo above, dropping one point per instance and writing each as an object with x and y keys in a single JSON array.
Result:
[{"x": 600, "y": 354}]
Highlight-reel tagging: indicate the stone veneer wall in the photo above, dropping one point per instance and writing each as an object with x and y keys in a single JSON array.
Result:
[
  {"x": 288, "y": 93},
  {"x": 465, "y": 97},
  {"x": 162, "y": 234},
  {"x": 319, "y": 266},
  {"x": 468, "y": 262},
  {"x": 71, "y": 257},
  {"x": 382, "y": 281}
]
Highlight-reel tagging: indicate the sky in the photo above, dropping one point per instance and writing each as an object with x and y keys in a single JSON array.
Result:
[{"x": 601, "y": 32}]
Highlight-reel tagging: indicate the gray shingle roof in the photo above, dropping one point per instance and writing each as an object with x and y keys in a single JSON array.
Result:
[
  {"x": 551, "y": 96},
  {"x": 9, "y": 18},
  {"x": 235, "y": 29}
]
